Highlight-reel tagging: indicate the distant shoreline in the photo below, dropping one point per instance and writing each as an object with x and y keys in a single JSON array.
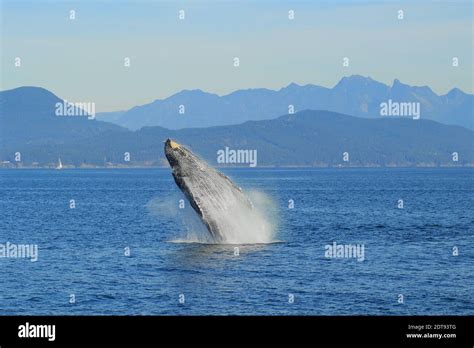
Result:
[{"x": 470, "y": 165}]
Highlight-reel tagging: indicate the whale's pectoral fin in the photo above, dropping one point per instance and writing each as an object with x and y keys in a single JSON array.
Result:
[
  {"x": 233, "y": 186},
  {"x": 229, "y": 181}
]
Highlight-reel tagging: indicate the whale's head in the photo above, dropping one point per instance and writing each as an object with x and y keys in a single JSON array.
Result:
[
  {"x": 174, "y": 153},
  {"x": 181, "y": 160}
]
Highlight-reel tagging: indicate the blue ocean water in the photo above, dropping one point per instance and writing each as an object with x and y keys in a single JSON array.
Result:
[{"x": 407, "y": 251}]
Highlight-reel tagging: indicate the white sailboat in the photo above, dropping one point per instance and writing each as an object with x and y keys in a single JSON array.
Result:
[{"x": 60, "y": 165}]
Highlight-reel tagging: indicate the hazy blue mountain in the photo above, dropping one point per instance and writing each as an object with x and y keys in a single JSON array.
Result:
[
  {"x": 319, "y": 138},
  {"x": 29, "y": 125},
  {"x": 355, "y": 95},
  {"x": 27, "y": 117}
]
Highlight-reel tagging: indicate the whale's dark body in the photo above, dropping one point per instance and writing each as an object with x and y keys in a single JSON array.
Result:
[{"x": 211, "y": 194}]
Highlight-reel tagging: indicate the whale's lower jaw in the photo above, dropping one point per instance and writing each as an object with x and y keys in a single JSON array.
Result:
[{"x": 212, "y": 195}]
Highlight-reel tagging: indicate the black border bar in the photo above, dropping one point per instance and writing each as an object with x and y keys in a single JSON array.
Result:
[{"x": 291, "y": 330}]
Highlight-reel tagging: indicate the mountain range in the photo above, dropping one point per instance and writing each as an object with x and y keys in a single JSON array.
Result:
[
  {"x": 29, "y": 125},
  {"x": 354, "y": 95}
]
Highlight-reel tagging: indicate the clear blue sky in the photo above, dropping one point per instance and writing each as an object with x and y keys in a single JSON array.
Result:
[{"x": 82, "y": 59}]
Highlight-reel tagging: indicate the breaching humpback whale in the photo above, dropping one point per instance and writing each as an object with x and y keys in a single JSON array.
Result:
[{"x": 212, "y": 194}]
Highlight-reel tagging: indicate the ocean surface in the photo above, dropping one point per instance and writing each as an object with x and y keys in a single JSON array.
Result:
[{"x": 126, "y": 248}]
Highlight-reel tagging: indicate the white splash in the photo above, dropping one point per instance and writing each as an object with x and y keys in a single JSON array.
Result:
[
  {"x": 242, "y": 225},
  {"x": 245, "y": 225}
]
